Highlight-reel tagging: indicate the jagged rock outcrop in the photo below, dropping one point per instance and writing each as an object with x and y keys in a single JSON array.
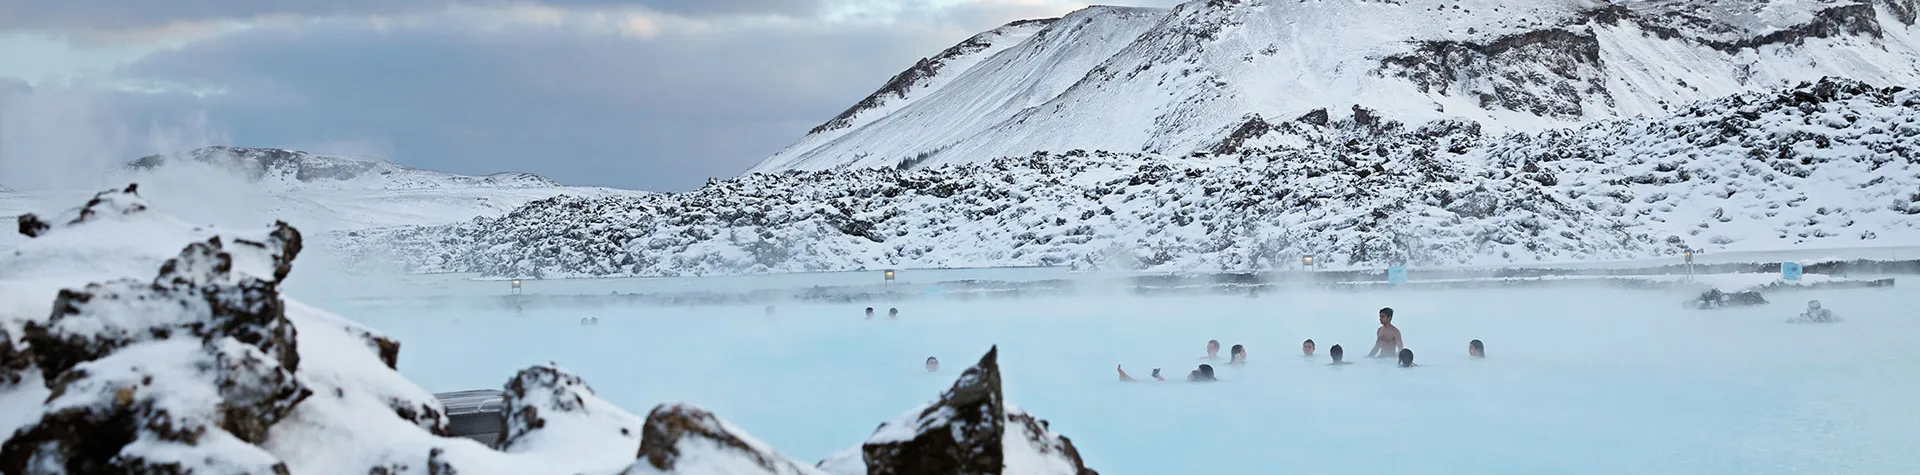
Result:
[
  {"x": 969, "y": 430},
  {"x": 546, "y": 405},
  {"x": 185, "y": 373},
  {"x": 104, "y": 205},
  {"x": 686, "y": 440}
]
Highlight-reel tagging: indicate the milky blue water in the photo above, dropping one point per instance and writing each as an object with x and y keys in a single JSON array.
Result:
[{"x": 1578, "y": 381}]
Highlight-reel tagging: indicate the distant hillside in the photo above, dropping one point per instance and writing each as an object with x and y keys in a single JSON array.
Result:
[
  {"x": 1829, "y": 164},
  {"x": 291, "y": 169}
]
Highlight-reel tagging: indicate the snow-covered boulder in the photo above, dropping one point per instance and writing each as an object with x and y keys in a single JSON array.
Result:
[
  {"x": 548, "y": 408},
  {"x": 181, "y": 374},
  {"x": 969, "y": 430},
  {"x": 686, "y": 440}
]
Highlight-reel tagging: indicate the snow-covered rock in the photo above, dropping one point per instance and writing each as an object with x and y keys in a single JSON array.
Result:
[
  {"x": 549, "y": 409},
  {"x": 969, "y": 430},
  {"x": 180, "y": 374},
  {"x": 1180, "y": 80},
  {"x": 1832, "y": 164},
  {"x": 847, "y": 461},
  {"x": 686, "y": 440}
]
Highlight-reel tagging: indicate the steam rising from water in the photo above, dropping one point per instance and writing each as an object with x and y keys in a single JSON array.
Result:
[
  {"x": 70, "y": 137},
  {"x": 1577, "y": 380}
]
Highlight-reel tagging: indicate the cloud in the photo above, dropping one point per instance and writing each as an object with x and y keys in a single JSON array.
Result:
[
  {"x": 99, "y": 15},
  {"x": 660, "y": 112},
  {"x": 66, "y": 137},
  {"x": 657, "y": 95}
]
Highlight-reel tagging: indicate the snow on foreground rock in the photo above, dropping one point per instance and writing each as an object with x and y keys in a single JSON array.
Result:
[
  {"x": 1829, "y": 164},
  {"x": 969, "y": 430},
  {"x": 206, "y": 369},
  {"x": 686, "y": 440}
]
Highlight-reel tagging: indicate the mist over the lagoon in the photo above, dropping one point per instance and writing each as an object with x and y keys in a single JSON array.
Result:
[{"x": 1577, "y": 380}]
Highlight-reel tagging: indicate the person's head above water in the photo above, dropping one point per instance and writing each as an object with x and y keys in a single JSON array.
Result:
[
  {"x": 1213, "y": 347},
  {"x": 1406, "y": 358},
  {"x": 1206, "y": 371},
  {"x": 1476, "y": 349},
  {"x": 893, "y": 311},
  {"x": 933, "y": 364},
  {"x": 1813, "y": 305},
  {"x": 1306, "y": 347},
  {"x": 1386, "y": 315},
  {"x": 1336, "y": 353},
  {"x": 869, "y": 311},
  {"x": 1238, "y": 353}
]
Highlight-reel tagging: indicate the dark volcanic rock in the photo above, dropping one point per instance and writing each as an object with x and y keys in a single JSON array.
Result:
[
  {"x": 182, "y": 374},
  {"x": 1714, "y": 298},
  {"x": 536, "y": 391},
  {"x": 115, "y": 202},
  {"x": 957, "y": 434},
  {"x": 546, "y": 399},
  {"x": 969, "y": 430},
  {"x": 15, "y": 360},
  {"x": 197, "y": 292},
  {"x": 1024, "y": 428},
  {"x": 672, "y": 430},
  {"x": 32, "y": 226}
]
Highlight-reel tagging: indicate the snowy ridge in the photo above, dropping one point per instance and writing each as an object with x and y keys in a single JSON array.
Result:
[
  {"x": 1827, "y": 164},
  {"x": 999, "y": 80},
  {"x": 296, "y": 170},
  {"x": 1175, "y": 81}
]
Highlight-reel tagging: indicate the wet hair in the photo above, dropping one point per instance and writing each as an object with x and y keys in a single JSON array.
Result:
[
  {"x": 869, "y": 309},
  {"x": 1206, "y": 370},
  {"x": 1387, "y": 311},
  {"x": 1237, "y": 349},
  {"x": 931, "y": 359},
  {"x": 1336, "y": 352},
  {"x": 1476, "y": 345},
  {"x": 1406, "y": 357},
  {"x": 893, "y": 309},
  {"x": 1308, "y": 342},
  {"x": 1213, "y": 342}
]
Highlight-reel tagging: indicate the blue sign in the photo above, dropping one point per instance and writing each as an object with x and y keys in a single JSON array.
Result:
[
  {"x": 1397, "y": 275},
  {"x": 1790, "y": 270}
]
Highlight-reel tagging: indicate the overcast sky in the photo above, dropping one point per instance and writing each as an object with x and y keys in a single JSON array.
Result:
[{"x": 646, "y": 94}]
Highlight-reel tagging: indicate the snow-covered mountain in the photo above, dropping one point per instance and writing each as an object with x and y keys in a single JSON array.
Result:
[
  {"x": 1173, "y": 81},
  {"x": 1830, "y": 164}
]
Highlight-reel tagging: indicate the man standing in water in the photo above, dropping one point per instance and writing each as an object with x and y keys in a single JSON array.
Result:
[{"x": 1387, "y": 340}]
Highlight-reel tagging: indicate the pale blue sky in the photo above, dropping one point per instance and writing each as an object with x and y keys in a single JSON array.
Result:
[{"x": 649, "y": 94}]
